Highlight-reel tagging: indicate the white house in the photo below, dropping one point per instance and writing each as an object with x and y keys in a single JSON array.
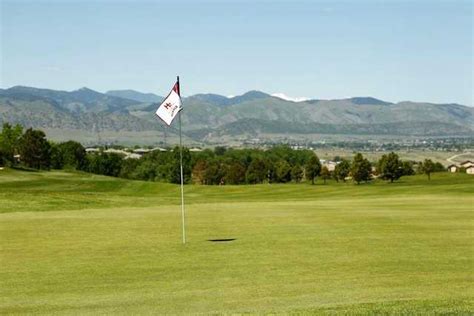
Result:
[
  {"x": 133, "y": 156},
  {"x": 467, "y": 163},
  {"x": 453, "y": 168},
  {"x": 116, "y": 151},
  {"x": 331, "y": 165},
  {"x": 470, "y": 170}
]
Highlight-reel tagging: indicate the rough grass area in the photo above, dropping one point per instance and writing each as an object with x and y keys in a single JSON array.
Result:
[{"x": 74, "y": 243}]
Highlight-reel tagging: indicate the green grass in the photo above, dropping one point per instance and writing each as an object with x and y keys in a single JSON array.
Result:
[{"x": 75, "y": 243}]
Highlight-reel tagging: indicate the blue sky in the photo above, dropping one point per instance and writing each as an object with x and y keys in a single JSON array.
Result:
[{"x": 393, "y": 50}]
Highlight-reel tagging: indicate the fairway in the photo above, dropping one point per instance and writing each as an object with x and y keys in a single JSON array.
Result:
[{"x": 74, "y": 243}]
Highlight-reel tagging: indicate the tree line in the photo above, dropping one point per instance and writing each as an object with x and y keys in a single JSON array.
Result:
[{"x": 280, "y": 164}]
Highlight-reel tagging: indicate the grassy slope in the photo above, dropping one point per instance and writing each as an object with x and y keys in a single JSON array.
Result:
[{"x": 76, "y": 243}]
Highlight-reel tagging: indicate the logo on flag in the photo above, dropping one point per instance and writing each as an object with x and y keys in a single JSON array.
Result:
[{"x": 170, "y": 107}]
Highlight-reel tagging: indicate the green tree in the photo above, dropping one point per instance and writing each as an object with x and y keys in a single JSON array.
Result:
[
  {"x": 360, "y": 169},
  {"x": 2, "y": 158},
  {"x": 312, "y": 168},
  {"x": 220, "y": 151},
  {"x": 257, "y": 171},
  {"x": 146, "y": 170},
  {"x": 297, "y": 173},
  {"x": 215, "y": 172},
  {"x": 108, "y": 164},
  {"x": 10, "y": 142},
  {"x": 73, "y": 154},
  {"x": 270, "y": 169},
  {"x": 389, "y": 167},
  {"x": 342, "y": 170},
  {"x": 427, "y": 167},
  {"x": 175, "y": 172},
  {"x": 56, "y": 156},
  {"x": 35, "y": 150},
  {"x": 199, "y": 172},
  {"x": 325, "y": 174},
  {"x": 235, "y": 173},
  {"x": 70, "y": 154},
  {"x": 438, "y": 167},
  {"x": 283, "y": 171},
  {"x": 407, "y": 168},
  {"x": 159, "y": 165},
  {"x": 128, "y": 168}
]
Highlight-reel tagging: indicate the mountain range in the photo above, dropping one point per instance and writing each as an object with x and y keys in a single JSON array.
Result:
[{"x": 127, "y": 116}]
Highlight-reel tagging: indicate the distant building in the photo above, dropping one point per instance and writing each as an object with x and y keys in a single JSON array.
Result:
[
  {"x": 116, "y": 151},
  {"x": 137, "y": 154},
  {"x": 133, "y": 156},
  {"x": 331, "y": 165},
  {"x": 467, "y": 163},
  {"x": 470, "y": 170},
  {"x": 453, "y": 168},
  {"x": 141, "y": 151}
]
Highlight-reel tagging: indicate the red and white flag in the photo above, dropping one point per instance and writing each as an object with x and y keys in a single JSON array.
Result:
[{"x": 170, "y": 107}]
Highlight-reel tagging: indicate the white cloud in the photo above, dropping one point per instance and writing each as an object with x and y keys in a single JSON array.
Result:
[
  {"x": 230, "y": 96},
  {"x": 288, "y": 98}
]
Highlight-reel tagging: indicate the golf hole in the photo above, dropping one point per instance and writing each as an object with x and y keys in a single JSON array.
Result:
[{"x": 221, "y": 240}]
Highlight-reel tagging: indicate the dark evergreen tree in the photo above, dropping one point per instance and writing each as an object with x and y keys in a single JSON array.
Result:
[
  {"x": 312, "y": 168},
  {"x": 35, "y": 150},
  {"x": 389, "y": 167},
  {"x": 283, "y": 171},
  {"x": 297, "y": 173},
  {"x": 56, "y": 156},
  {"x": 438, "y": 167},
  {"x": 342, "y": 170},
  {"x": 220, "y": 151},
  {"x": 360, "y": 169},
  {"x": 407, "y": 168},
  {"x": 257, "y": 171},
  {"x": 73, "y": 155}
]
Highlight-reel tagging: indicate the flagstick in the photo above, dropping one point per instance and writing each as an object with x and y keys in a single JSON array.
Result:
[{"x": 182, "y": 182}]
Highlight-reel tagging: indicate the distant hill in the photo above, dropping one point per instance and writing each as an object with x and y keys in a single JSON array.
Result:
[
  {"x": 368, "y": 100},
  {"x": 79, "y": 101},
  {"x": 219, "y": 100},
  {"x": 126, "y": 114},
  {"x": 135, "y": 95}
]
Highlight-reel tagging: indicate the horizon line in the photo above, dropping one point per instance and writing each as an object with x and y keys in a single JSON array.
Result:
[{"x": 277, "y": 95}]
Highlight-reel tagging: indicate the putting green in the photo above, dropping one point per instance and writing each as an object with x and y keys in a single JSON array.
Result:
[{"x": 74, "y": 243}]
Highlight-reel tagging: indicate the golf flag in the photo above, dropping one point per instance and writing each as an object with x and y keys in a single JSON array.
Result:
[{"x": 170, "y": 107}]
